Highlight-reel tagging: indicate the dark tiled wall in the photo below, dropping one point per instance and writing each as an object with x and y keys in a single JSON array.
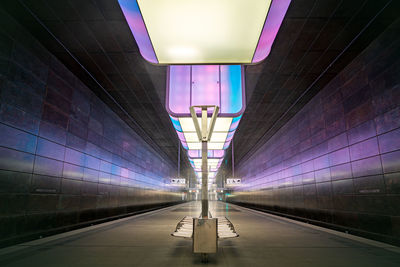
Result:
[
  {"x": 65, "y": 157},
  {"x": 338, "y": 159}
]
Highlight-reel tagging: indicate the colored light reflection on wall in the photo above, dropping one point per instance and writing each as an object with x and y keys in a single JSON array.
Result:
[{"x": 204, "y": 32}]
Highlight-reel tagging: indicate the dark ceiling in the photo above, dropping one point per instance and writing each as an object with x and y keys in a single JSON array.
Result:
[{"x": 317, "y": 39}]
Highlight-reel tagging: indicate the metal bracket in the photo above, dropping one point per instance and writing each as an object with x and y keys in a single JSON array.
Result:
[{"x": 204, "y": 134}]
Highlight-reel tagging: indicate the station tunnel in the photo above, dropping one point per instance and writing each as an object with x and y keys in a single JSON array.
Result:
[{"x": 187, "y": 132}]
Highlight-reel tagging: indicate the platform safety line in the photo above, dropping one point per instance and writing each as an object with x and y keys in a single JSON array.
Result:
[
  {"x": 363, "y": 240},
  {"x": 38, "y": 242}
]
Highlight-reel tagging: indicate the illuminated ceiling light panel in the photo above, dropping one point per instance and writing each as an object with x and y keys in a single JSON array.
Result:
[
  {"x": 211, "y": 85},
  {"x": 212, "y": 164},
  {"x": 224, "y": 128},
  {"x": 210, "y": 168},
  {"x": 218, "y": 137},
  {"x": 221, "y": 125},
  {"x": 198, "y": 164},
  {"x": 191, "y": 137},
  {"x": 210, "y": 175},
  {"x": 210, "y": 161},
  {"x": 204, "y": 31},
  {"x": 197, "y": 145},
  {"x": 222, "y": 86},
  {"x": 211, "y": 153}
]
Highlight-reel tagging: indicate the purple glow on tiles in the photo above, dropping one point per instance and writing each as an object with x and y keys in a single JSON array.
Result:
[
  {"x": 274, "y": 20},
  {"x": 124, "y": 172},
  {"x": 135, "y": 21}
]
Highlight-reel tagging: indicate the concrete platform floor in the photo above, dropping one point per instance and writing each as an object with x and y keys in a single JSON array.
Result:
[{"x": 145, "y": 240}]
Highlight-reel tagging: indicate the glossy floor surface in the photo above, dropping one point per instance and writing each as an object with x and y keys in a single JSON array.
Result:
[{"x": 145, "y": 240}]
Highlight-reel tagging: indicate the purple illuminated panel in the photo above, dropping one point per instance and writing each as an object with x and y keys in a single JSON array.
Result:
[
  {"x": 215, "y": 153},
  {"x": 179, "y": 80},
  {"x": 205, "y": 85},
  {"x": 194, "y": 153},
  {"x": 275, "y": 17},
  {"x": 219, "y": 153},
  {"x": 135, "y": 21}
]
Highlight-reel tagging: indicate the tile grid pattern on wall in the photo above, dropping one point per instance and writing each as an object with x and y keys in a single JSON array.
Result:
[
  {"x": 338, "y": 159},
  {"x": 65, "y": 157}
]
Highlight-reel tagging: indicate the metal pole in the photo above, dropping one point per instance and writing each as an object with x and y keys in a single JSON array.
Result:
[
  {"x": 204, "y": 169},
  {"x": 179, "y": 158},
  {"x": 233, "y": 162},
  {"x": 204, "y": 181}
]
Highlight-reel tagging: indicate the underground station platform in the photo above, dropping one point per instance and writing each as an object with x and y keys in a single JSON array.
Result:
[
  {"x": 145, "y": 240},
  {"x": 199, "y": 132}
]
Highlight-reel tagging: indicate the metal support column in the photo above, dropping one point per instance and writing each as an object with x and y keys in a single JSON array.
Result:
[
  {"x": 204, "y": 169},
  {"x": 204, "y": 181},
  {"x": 205, "y": 233},
  {"x": 233, "y": 161},
  {"x": 204, "y": 134},
  {"x": 179, "y": 159}
]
